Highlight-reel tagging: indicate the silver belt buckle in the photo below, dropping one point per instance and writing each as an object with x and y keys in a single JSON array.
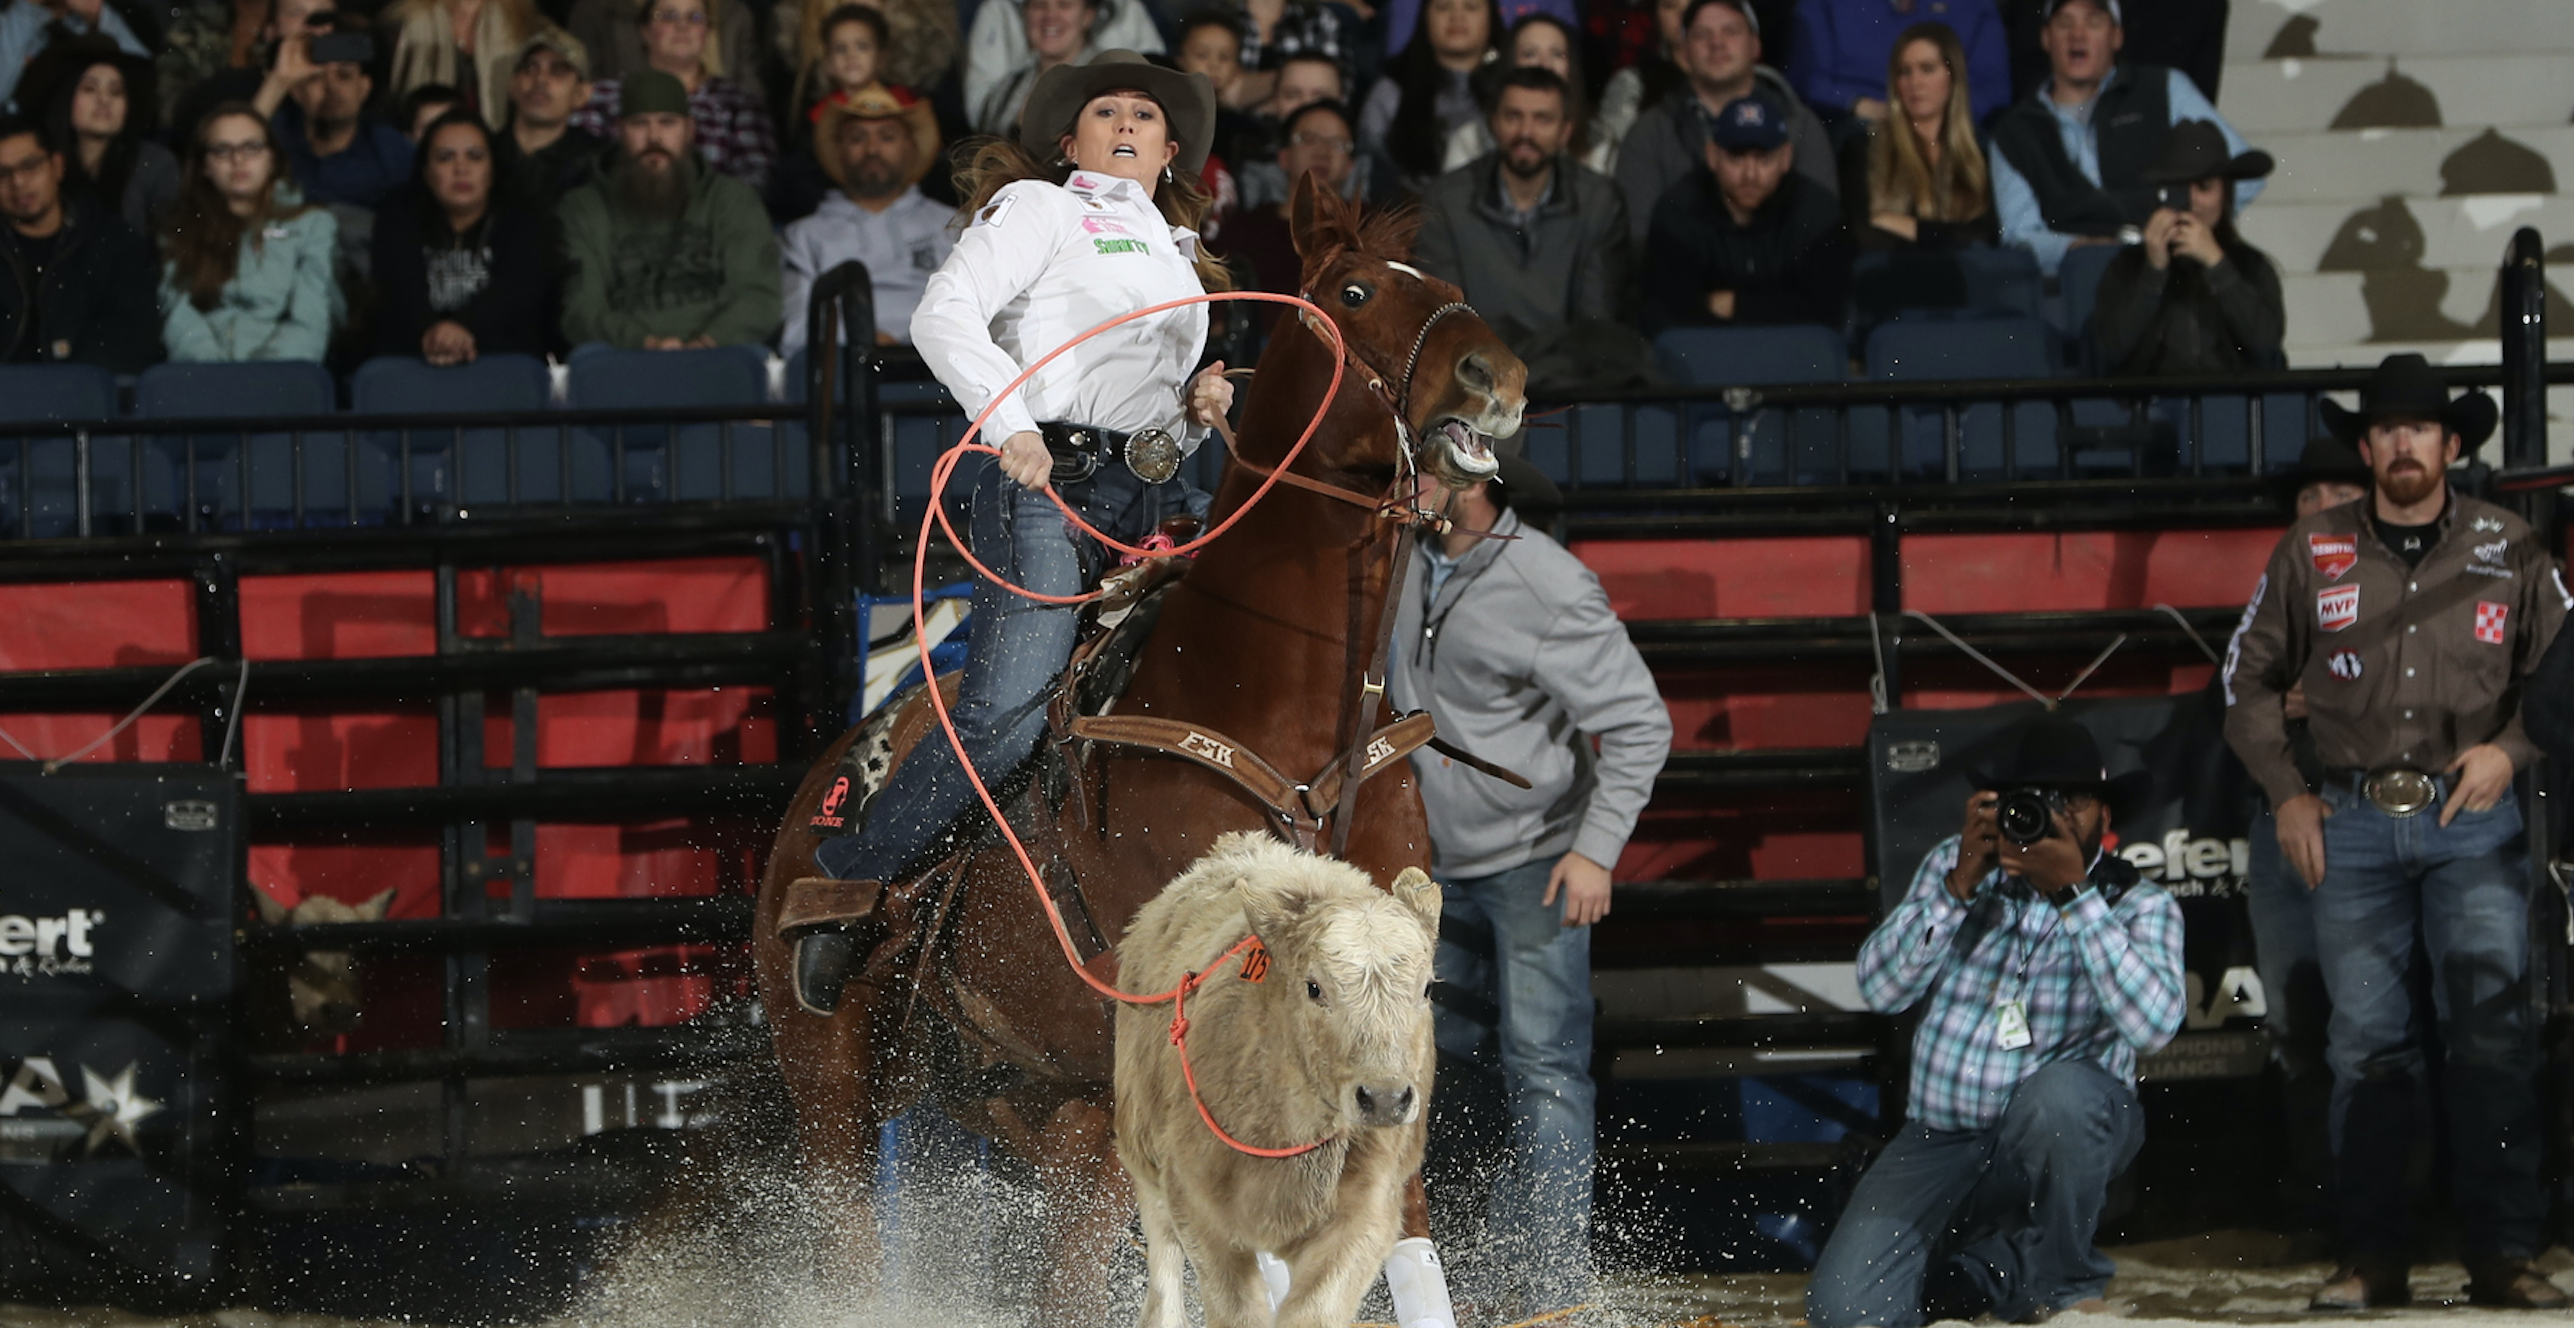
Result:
[
  {"x": 1153, "y": 454},
  {"x": 2400, "y": 792}
]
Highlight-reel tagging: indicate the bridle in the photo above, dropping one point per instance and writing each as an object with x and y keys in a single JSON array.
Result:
[{"x": 1397, "y": 502}]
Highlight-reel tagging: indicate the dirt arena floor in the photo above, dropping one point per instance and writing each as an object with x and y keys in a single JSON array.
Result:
[{"x": 2223, "y": 1277}]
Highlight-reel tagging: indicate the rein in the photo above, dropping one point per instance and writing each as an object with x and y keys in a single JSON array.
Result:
[{"x": 1394, "y": 505}]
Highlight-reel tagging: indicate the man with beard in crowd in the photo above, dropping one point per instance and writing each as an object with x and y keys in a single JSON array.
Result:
[
  {"x": 2413, "y": 621},
  {"x": 76, "y": 283},
  {"x": 541, "y": 154},
  {"x": 876, "y": 146},
  {"x": 665, "y": 254},
  {"x": 1721, "y": 54},
  {"x": 1537, "y": 241},
  {"x": 1748, "y": 240}
]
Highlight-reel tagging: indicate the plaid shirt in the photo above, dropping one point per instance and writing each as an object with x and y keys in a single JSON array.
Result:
[
  {"x": 1307, "y": 28},
  {"x": 2100, "y": 981},
  {"x": 733, "y": 130}
]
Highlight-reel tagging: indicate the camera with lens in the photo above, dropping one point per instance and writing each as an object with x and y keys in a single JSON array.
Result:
[{"x": 2027, "y": 815}]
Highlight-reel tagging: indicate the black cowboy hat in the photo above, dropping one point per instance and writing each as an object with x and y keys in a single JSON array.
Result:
[
  {"x": 2196, "y": 151},
  {"x": 2053, "y": 752},
  {"x": 1187, "y": 98},
  {"x": 62, "y": 62},
  {"x": 2407, "y": 387},
  {"x": 2326, "y": 459},
  {"x": 1529, "y": 491}
]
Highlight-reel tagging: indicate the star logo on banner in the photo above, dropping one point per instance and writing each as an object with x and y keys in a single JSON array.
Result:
[{"x": 112, "y": 1109}]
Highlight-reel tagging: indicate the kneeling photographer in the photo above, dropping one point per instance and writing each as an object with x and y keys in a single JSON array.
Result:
[{"x": 2044, "y": 965}]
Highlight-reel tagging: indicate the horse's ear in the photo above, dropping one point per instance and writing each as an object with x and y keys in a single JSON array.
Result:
[
  {"x": 1414, "y": 889},
  {"x": 373, "y": 910},
  {"x": 271, "y": 912},
  {"x": 1314, "y": 220}
]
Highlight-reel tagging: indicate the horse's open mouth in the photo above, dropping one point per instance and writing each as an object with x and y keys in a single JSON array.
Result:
[{"x": 1469, "y": 452}]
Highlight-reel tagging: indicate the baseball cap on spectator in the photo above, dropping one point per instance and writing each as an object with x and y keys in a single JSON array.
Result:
[
  {"x": 1689, "y": 16},
  {"x": 651, "y": 92},
  {"x": 1747, "y": 124},
  {"x": 565, "y": 46},
  {"x": 2109, "y": 5}
]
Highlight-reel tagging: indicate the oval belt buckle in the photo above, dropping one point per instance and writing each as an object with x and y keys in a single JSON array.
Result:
[
  {"x": 1153, "y": 454},
  {"x": 2401, "y": 793}
]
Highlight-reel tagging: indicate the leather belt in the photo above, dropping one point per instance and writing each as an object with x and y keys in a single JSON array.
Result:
[
  {"x": 2399, "y": 791},
  {"x": 1153, "y": 454}
]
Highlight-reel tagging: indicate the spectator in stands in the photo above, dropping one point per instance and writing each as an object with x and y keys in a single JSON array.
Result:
[
  {"x": 2193, "y": 298},
  {"x": 248, "y": 275},
  {"x": 27, "y": 25},
  {"x": 1519, "y": 652},
  {"x": 1722, "y": 53},
  {"x": 462, "y": 267},
  {"x": 469, "y": 45},
  {"x": 1746, "y": 239},
  {"x": 665, "y": 253},
  {"x": 1537, "y": 240},
  {"x": 919, "y": 50},
  {"x": 2187, "y": 35},
  {"x": 1302, "y": 80},
  {"x": 1927, "y": 187},
  {"x": 2413, "y": 621},
  {"x": 336, "y": 153},
  {"x": 2069, "y": 163},
  {"x": 732, "y": 131},
  {"x": 1318, "y": 141},
  {"x": 854, "y": 42},
  {"x": 1275, "y": 31},
  {"x": 1641, "y": 84},
  {"x": 212, "y": 59},
  {"x": 422, "y": 106},
  {"x": 879, "y": 147},
  {"x": 1842, "y": 44},
  {"x": 1209, "y": 42},
  {"x": 1000, "y": 46},
  {"x": 1427, "y": 92},
  {"x": 1537, "y": 41},
  {"x": 2327, "y": 475},
  {"x": 613, "y": 32},
  {"x": 2042, "y": 971},
  {"x": 543, "y": 154},
  {"x": 1057, "y": 33},
  {"x": 96, "y": 101},
  {"x": 1402, "y": 19},
  {"x": 79, "y": 288}
]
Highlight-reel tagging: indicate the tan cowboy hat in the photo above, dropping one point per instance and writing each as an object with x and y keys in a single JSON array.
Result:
[
  {"x": 1188, "y": 99},
  {"x": 874, "y": 102}
]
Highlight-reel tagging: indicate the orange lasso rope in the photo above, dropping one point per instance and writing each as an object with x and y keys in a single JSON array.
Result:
[{"x": 936, "y": 518}]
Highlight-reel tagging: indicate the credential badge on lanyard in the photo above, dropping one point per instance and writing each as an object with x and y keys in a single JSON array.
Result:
[{"x": 2011, "y": 1024}]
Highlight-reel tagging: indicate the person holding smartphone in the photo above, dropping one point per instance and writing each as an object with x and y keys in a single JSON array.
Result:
[
  {"x": 2192, "y": 297},
  {"x": 337, "y": 154}
]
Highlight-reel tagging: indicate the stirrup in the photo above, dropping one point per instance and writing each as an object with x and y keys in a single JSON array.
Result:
[{"x": 822, "y": 961}]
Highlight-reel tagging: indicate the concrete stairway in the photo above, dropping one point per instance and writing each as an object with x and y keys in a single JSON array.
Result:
[{"x": 2412, "y": 140}]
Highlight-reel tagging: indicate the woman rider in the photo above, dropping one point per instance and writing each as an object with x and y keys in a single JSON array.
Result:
[{"x": 1104, "y": 227}]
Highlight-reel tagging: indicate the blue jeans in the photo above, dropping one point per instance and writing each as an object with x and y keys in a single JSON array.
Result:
[
  {"x": 2292, "y": 989},
  {"x": 2008, "y": 1212},
  {"x": 1015, "y": 649},
  {"x": 2461, "y": 893},
  {"x": 1497, "y": 942}
]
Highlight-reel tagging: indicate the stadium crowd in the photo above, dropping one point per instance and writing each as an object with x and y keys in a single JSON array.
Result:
[{"x": 276, "y": 179}]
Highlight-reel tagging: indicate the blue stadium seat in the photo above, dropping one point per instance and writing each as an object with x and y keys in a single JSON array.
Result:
[
  {"x": 2079, "y": 282},
  {"x": 245, "y": 479},
  {"x": 1966, "y": 350},
  {"x": 659, "y": 461},
  {"x": 1796, "y": 447},
  {"x": 453, "y": 468},
  {"x": 38, "y": 472}
]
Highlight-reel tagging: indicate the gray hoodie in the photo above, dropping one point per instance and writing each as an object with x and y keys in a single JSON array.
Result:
[{"x": 1522, "y": 662}]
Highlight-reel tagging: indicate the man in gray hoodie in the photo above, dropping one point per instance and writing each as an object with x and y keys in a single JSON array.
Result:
[{"x": 1510, "y": 643}]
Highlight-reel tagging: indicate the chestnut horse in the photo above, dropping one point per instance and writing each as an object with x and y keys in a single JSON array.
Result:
[{"x": 1256, "y": 641}]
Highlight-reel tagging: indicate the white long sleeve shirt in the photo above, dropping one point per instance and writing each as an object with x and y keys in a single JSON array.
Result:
[
  {"x": 1041, "y": 264},
  {"x": 901, "y": 246}
]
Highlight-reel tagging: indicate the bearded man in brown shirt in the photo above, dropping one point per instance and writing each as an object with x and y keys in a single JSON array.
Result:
[{"x": 2411, "y": 620}]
